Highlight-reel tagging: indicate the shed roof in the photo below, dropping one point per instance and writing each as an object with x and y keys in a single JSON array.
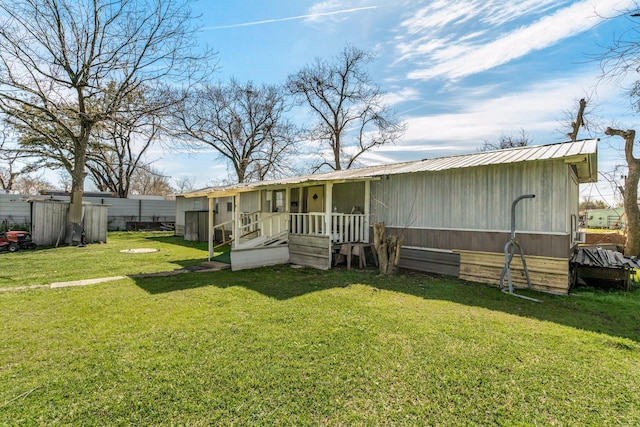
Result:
[{"x": 582, "y": 154}]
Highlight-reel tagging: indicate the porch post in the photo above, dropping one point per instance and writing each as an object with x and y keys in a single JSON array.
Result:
[
  {"x": 287, "y": 209},
  {"x": 367, "y": 209},
  {"x": 328, "y": 207},
  {"x": 211, "y": 224},
  {"x": 236, "y": 221}
]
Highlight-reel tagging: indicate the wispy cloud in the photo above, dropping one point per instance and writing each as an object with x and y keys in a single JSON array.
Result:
[
  {"x": 311, "y": 16},
  {"x": 455, "y": 41},
  {"x": 473, "y": 117}
]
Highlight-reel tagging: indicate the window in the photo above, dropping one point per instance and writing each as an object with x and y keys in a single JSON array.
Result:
[{"x": 278, "y": 204}]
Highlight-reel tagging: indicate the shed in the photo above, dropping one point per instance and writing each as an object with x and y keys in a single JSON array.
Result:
[
  {"x": 49, "y": 219},
  {"x": 453, "y": 211}
]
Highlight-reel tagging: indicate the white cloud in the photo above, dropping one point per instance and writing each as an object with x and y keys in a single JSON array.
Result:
[
  {"x": 437, "y": 37},
  {"x": 335, "y": 10},
  {"x": 317, "y": 12},
  {"x": 474, "y": 117},
  {"x": 403, "y": 95}
]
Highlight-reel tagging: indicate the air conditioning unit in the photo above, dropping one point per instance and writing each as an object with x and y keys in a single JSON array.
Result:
[{"x": 579, "y": 237}]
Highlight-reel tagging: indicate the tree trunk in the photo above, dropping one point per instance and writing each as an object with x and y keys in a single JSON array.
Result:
[
  {"x": 73, "y": 230},
  {"x": 575, "y": 126},
  {"x": 387, "y": 248},
  {"x": 632, "y": 247}
]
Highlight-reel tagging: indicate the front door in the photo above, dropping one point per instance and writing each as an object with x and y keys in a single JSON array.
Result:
[{"x": 315, "y": 198}]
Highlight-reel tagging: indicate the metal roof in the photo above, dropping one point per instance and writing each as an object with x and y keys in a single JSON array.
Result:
[{"x": 583, "y": 154}]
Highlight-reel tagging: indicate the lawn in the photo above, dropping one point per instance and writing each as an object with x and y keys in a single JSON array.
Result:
[
  {"x": 47, "y": 265},
  {"x": 290, "y": 346}
]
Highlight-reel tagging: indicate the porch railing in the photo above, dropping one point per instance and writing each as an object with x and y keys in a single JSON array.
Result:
[
  {"x": 249, "y": 223},
  {"x": 347, "y": 228},
  {"x": 307, "y": 223},
  {"x": 343, "y": 228},
  {"x": 263, "y": 224}
]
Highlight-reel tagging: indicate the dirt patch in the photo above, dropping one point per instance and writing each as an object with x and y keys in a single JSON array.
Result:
[
  {"x": 139, "y": 251},
  {"x": 603, "y": 238}
]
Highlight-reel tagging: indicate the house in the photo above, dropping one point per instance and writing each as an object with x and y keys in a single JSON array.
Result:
[{"x": 455, "y": 213}]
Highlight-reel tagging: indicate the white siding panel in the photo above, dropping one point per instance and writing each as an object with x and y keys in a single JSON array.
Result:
[
  {"x": 250, "y": 202},
  {"x": 14, "y": 210},
  {"x": 476, "y": 198}
]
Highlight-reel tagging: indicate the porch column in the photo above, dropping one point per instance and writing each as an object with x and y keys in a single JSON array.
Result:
[
  {"x": 211, "y": 223},
  {"x": 367, "y": 209},
  {"x": 287, "y": 209},
  {"x": 328, "y": 207},
  {"x": 236, "y": 220}
]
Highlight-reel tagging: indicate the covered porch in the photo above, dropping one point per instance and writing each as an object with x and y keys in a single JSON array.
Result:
[{"x": 279, "y": 222}]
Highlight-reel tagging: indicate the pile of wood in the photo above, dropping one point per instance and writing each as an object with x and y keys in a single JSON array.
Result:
[
  {"x": 600, "y": 267},
  {"x": 598, "y": 257}
]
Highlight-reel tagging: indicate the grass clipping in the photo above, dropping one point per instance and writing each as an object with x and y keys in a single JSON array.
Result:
[{"x": 387, "y": 248}]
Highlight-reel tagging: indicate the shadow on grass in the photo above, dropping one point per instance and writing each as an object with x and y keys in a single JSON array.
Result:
[
  {"x": 615, "y": 314},
  {"x": 180, "y": 241}
]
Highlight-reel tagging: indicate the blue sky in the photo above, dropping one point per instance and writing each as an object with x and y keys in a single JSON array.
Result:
[{"x": 456, "y": 72}]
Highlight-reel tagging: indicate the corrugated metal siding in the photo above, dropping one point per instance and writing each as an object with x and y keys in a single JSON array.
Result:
[
  {"x": 122, "y": 211},
  {"x": 539, "y": 244},
  {"x": 476, "y": 199},
  {"x": 430, "y": 261},
  {"x": 96, "y": 223},
  {"x": 49, "y": 220}
]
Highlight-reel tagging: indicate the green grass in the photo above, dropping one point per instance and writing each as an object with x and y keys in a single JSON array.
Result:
[
  {"x": 47, "y": 265},
  {"x": 286, "y": 346}
]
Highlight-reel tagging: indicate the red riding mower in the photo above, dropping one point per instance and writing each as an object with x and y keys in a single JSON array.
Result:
[{"x": 13, "y": 240}]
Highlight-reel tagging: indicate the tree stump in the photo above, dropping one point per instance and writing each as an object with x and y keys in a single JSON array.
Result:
[{"x": 387, "y": 248}]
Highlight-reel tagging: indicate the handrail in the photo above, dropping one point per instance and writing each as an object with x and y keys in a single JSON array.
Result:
[
  {"x": 343, "y": 227},
  {"x": 224, "y": 234}
]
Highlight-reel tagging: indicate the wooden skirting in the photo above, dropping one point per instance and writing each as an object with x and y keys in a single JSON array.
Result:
[
  {"x": 546, "y": 274},
  {"x": 309, "y": 250}
]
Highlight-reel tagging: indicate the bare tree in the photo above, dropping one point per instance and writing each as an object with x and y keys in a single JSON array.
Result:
[
  {"x": 31, "y": 184},
  {"x": 579, "y": 121},
  {"x": 185, "y": 184},
  {"x": 244, "y": 123},
  {"x": 619, "y": 61},
  {"x": 119, "y": 151},
  {"x": 351, "y": 115},
  {"x": 149, "y": 181},
  {"x": 632, "y": 247},
  {"x": 75, "y": 62},
  {"x": 10, "y": 168},
  {"x": 64, "y": 181},
  {"x": 507, "y": 141}
]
